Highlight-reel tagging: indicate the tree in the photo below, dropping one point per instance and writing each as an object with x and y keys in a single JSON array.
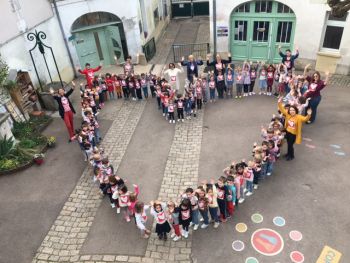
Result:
[
  {"x": 339, "y": 7},
  {"x": 4, "y": 70}
]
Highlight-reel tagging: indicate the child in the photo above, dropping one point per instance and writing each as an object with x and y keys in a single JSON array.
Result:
[
  {"x": 270, "y": 79},
  {"x": 185, "y": 216},
  {"x": 131, "y": 84},
  {"x": 239, "y": 83},
  {"x": 190, "y": 195},
  {"x": 282, "y": 73},
  {"x": 262, "y": 79},
  {"x": 212, "y": 87},
  {"x": 132, "y": 200},
  {"x": 152, "y": 84},
  {"x": 272, "y": 155},
  {"x": 118, "y": 87},
  {"x": 159, "y": 213},
  {"x": 221, "y": 197},
  {"x": 123, "y": 196},
  {"x": 141, "y": 218},
  {"x": 171, "y": 109},
  {"x": 174, "y": 213},
  {"x": 138, "y": 89},
  {"x": 144, "y": 85},
  {"x": 212, "y": 202},
  {"x": 231, "y": 196},
  {"x": 220, "y": 84},
  {"x": 115, "y": 182},
  {"x": 198, "y": 93},
  {"x": 188, "y": 106},
  {"x": 249, "y": 178},
  {"x": 246, "y": 78},
  {"x": 125, "y": 87},
  {"x": 180, "y": 107},
  {"x": 253, "y": 75},
  {"x": 203, "y": 206},
  {"x": 230, "y": 80},
  {"x": 110, "y": 86},
  {"x": 107, "y": 167},
  {"x": 239, "y": 182}
]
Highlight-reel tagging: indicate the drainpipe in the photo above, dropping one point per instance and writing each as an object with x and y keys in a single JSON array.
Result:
[
  {"x": 214, "y": 26},
  {"x": 64, "y": 38}
]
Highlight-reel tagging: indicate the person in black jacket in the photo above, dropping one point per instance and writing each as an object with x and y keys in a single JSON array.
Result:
[
  {"x": 192, "y": 66},
  {"x": 65, "y": 108},
  {"x": 218, "y": 63}
]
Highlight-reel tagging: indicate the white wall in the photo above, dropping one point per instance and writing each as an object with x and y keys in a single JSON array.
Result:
[
  {"x": 70, "y": 10},
  {"x": 16, "y": 53},
  {"x": 310, "y": 18}
]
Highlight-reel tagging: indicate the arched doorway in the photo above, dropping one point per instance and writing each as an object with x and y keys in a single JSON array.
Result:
[
  {"x": 258, "y": 28},
  {"x": 99, "y": 37}
]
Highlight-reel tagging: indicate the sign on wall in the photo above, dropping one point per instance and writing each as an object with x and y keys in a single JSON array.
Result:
[{"x": 222, "y": 31}]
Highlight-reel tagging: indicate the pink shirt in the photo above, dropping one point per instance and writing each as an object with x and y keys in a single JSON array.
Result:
[{"x": 65, "y": 104}]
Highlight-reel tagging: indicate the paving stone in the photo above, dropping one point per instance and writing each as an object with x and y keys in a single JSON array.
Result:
[
  {"x": 108, "y": 258},
  {"x": 122, "y": 258}
]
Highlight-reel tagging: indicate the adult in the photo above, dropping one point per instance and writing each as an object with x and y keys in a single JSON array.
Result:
[
  {"x": 314, "y": 91},
  {"x": 288, "y": 59},
  {"x": 89, "y": 73},
  {"x": 219, "y": 63},
  {"x": 128, "y": 67},
  {"x": 172, "y": 74},
  {"x": 293, "y": 125},
  {"x": 192, "y": 67},
  {"x": 65, "y": 108}
]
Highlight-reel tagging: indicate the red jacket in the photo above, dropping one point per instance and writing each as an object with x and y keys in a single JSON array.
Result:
[{"x": 89, "y": 74}]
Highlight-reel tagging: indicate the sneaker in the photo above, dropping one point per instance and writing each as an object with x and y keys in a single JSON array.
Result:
[
  {"x": 145, "y": 236},
  {"x": 186, "y": 234},
  {"x": 163, "y": 114},
  {"x": 173, "y": 235},
  {"x": 191, "y": 224},
  {"x": 201, "y": 220},
  {"x": 250, "y": 94},
  {"x": 204, "y": 226},
  {"x": 249, "y": 193},
  {"x": 245, "y": 190},
  {"x": 182, "y": 120},
  {"x": 173, "y": 121},
  {"x": 195, "y": 227},
  {"x": 128, "y": 219},
  {"x": 260, "y": 93},
  {"x": 223, "y": 220},
  {"x": 176, "y": 238},
  {"x": 268, "y": 174},
  {"x": 240, "y": 97},
  {"x": 236, "y": 97},
  {"x": 241, "y": 200},
  {"x": 216, "y": 224},
  {"x": 113, "y": 205},
  {"x": 118, "y": 210},
  {"x": 178, "y": 120},
  {"x": 253, "y": 93},
  {"x": 170, "y": 121}
]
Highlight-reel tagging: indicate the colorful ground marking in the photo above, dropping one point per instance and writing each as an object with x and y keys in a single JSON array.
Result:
[
  {"x": 279, "y": 221},
  {"x": 340, "y": 153},
  {"x": 238, "y": 245},
  {"x": 251, "y": 260},
  {"x": 307, "y": 139},
  {"x": 241, "y": 227},
  {"x": 295, "y": 235},
  {"x": 297, "y": 257},
  {"x": 257, "y": 218},
  {"x": 310, "y": 146},
  {"x": 335, "y": 146},
  {"x": 329, "y": 255},
  {"x": 267, "y": 242}
]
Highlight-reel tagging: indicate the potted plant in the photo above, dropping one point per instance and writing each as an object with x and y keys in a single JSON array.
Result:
[
  {"x": 51, "y": 141},
  {"x": 39, "y": 158}
]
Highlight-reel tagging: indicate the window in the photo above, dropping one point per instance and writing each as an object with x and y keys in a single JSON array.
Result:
[
  {"x": 241, "y": 30},
  {"x": 94, "y": 18},
  {"x": 333, "y": 32},
  {"x": 156, "y": 17},
  {"x": 284, "y": 32},
  {"x": 263, "y": 6},
  {"x": 281, "y": 8},
  {"x": 261, "y": 31},
  {"x": 243, "y": 8}
]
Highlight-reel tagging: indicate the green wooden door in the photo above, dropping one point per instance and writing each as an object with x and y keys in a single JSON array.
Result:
[
  {"x": 258, "y": 28},
  {"x": 86, "y": 49},
  {"x": 114, "y": 43}
]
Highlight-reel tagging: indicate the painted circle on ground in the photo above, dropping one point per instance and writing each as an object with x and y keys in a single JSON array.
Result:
[
  {"x": 241, "y": 228},
  {"x": 237, "y": 245},
  {"x": 257, "y": 218},
  {"x": 251, "y": 260},
  {"x": 279, "y": 221},
  {"x": 267, "y": 242},
  {"x": 297, "y": 257},
  {"x": 295, "y": 235}
]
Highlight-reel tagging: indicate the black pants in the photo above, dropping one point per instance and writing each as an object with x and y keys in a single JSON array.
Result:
[
  {"x": 199, "y": 104},
  {"x": 139, "y": 94},
  {"x": 246, "y": 88},
  {"x": 132, "y": 92},
  {"x": 171, "y": 116},
  {"x": 252, "y": 84},
  {"x": 256, "y": 177},
  {"x": 290, "y": 141},
  {"x": 126, "y": 92},
  {"x": 222, "y": 208},
  {"x": 152, "y": 91},
  {"x": 180, "y": 113},
  {"x": 159, "y": 103},
  {"x": 220, "y": 87}
]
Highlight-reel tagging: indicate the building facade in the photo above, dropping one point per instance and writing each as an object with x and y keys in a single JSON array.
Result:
[
  {"x": 253, "y": 30},
  {"x": 100, "y": 30}
]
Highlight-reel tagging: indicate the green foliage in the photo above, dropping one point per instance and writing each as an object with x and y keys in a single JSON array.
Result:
[
  {"x": 8, "y": 164},
  {"x": 27, "y": 143},
  {"x": 4, "y": 70},
  {"x": 6, "y": 145}
]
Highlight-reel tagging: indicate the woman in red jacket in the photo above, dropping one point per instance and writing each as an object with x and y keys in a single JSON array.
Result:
[{"x": 89, "y": 73}]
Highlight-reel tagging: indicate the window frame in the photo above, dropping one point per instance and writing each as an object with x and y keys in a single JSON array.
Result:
[{"x": 333, "y": 23}]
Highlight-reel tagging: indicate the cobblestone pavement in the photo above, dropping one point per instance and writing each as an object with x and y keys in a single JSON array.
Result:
[
  {"x": 339, "y": 81},
  {"x": 68, "y": 233}
]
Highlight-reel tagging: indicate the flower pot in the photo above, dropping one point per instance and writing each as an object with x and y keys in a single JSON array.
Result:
[{"x": 39, "y": 161}]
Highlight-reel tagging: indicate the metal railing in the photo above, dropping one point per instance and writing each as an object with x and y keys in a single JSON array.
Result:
[{"x": 199, "y": 50}]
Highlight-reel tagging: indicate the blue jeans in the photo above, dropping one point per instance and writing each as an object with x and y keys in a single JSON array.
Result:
[
  {"x": 212, "y": 94},
  {"x": 97, "y": 135},
  {"x": 249, "y": 185},
  {"x": 195, "y": 217},
  {"x": 111, "y": 95},
  {"x": 269, "y": 168},
  {"x": 145, "y": 91},
  {"x": 263, "y": 170},
  {"x": 214, "y": 213},
  {"x": 313, "y": 104},
  {"x": 204, "y": 214}
]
